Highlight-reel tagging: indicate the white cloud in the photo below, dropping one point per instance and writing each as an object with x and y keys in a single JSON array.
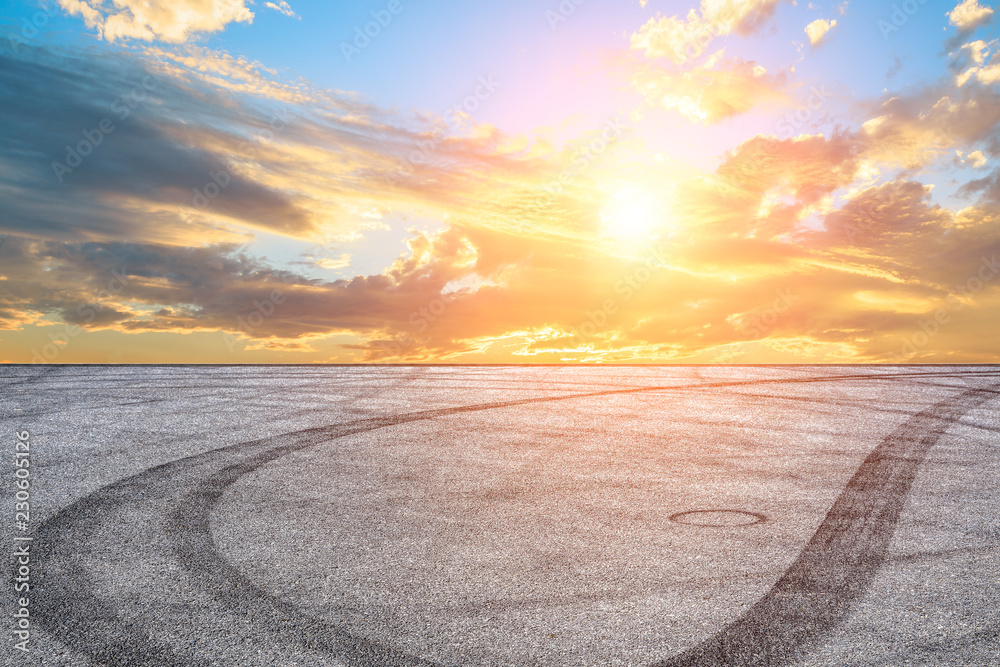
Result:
[
  {"x": 986, "y": 71},
  {"x": 818, "y": 29},
  {"x": 969, "y": 14},
  {"x": 282, "y": 7},
  {"x": 977, "y": 51},
  {"x": 977, "y": 159},
  {"x": 990, "y": 74},
  {"x": 683, "y": 38},
  {"x": 170, "y": 21}
]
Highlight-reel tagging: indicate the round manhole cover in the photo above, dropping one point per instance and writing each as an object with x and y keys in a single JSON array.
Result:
[{"x": 718, "y": 518}]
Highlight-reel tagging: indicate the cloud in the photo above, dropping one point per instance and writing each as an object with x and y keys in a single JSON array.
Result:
[
  {"x": 174, "y": 21},
  {"x": 969, "y": 15},
  {"x": 838, "y": 230},
  {"x": 710, "y": 93},
  {"x": 984, "y": 68},
  {"x": 765, "y": 187},
  {"x": 681, "y": 39},
  {"x": 975, "y": 159},
  {"x": 215, "y": 288},
  {"x": 884, "y": 214},
  {"x": 977, "y": 51},
  {"x": 818, "y": 29},
  {"x": 988, "y": 187},
  {"x": 219, "y": 72},
  {"x": 109, "y": 147},
  {"x": 718, "y": 88},
  {"x": 916, "y": 130},
  {"x": 283, "y": 8},
  {"x": 882, "y": 262},
  {"x": 199, "y": 145},
  {"x": 894, "y": 68}
]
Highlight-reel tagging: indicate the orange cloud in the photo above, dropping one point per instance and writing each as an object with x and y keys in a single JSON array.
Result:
[
  {"x": 917, "y": 130},
  {"x": 814, "y": 247},
  {"x": 681, "y": 39},
  {"x": 711, "y": 92}
]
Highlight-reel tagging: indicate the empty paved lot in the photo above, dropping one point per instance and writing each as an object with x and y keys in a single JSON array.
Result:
[{"x": 507, "y": 516}]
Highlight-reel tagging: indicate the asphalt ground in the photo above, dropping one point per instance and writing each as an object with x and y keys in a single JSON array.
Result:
[{"x": 671, "y": 516}]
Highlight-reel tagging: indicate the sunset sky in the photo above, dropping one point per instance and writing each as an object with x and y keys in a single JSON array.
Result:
[{"x": 755, "y": 181}]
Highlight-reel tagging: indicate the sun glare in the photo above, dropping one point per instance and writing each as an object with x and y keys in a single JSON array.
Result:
[{"x": 632, "y": 213}]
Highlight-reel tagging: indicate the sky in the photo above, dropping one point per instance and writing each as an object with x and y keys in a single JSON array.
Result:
[{"x": 545, "y": 181}]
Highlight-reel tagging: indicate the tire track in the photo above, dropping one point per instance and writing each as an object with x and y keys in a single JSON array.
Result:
[
  {"x": 838, "y": 564},
  {"x": 167, "y": 510}
]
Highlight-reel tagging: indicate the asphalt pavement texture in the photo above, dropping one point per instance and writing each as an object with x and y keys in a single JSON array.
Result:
[{"x": 664, "y": 516}]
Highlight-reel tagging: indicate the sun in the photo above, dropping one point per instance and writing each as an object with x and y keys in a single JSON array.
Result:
[{"x": 631, "y": 213}]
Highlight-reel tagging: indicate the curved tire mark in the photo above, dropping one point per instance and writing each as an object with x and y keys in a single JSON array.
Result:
[
  {"x": 185, "y": 491},
  {"x": 840, "y": 561}
]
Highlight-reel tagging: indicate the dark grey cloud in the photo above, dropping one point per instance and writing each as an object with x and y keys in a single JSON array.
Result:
[
  {"x": 145, "y": 287},
  {"x": 114, "y": 144},
  {"x": 80, "y": 134},
  {"x": 987, "y": 187}
]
